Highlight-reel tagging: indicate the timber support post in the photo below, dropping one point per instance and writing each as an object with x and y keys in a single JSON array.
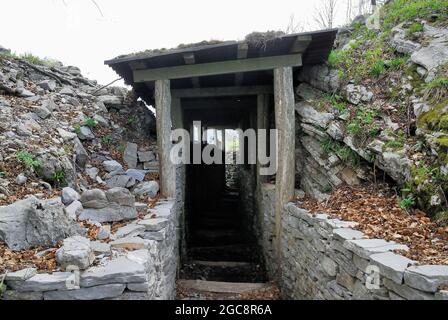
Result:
[
  {"x": 162, "y": 96},
  {"x": 285, "y": 125}
]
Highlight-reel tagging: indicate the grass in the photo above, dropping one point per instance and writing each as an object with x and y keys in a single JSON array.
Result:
[
  {"x": 363, "y": 122},
  {"x": 77, "y": 128},
  {"x": 59, "y": 178},
  {"x": 31, "y": 58},
  {"x": 107, "y": 139},
  {"x": 415, "y": 27},
  {"x": 28, "y": 160},
  {"x": 436, "y": 91},
  {"x": 90, "y": 122},
  {"x": 345, "y": 153},
  {"x": 378, "y": 68},
  {"x": 398, "y": 11},
  {"x": 407, "y": 202}
]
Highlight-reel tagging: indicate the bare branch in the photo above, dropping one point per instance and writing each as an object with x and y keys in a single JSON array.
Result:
[{"x": 325, "y": 14}]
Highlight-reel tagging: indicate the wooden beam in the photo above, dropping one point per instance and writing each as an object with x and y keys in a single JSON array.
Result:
[
  {"x": 243, "y": 48},
  {"x": 301, "y": 44},
  {"x": 285, "y": 125},
  {"x": 164, "y": 144},
  {"x": 221, "y": 67},
  {"x": 221, "y": 91},
  {"x": 190, "y": 59}
]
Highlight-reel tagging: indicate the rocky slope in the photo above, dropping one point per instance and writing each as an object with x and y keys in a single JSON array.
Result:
[
  {"x": 75, "y": 157},
  {"x": 376, "y": 111}
]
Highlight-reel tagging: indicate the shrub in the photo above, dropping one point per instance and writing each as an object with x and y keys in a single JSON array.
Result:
[
  {"x": 28, "y": 160},
  {"x": 107, "y": 139},
  {"x": 59, "y": 177},
  {"x": 345, "y": 153},
  {"x": 378, "y": 68},
  {"x": 415, "y": 27},
  {"x": 90, "y": 122},
  {"x": 77, "y": 128},
  {"x": 407, "y": 202}
]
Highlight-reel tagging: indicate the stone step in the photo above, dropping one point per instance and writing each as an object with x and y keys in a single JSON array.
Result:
[
  {"x": 232, "y": 271},
  {"x": 221, "y": 287}
]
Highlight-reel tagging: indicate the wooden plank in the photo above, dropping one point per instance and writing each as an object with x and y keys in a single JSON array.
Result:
[
  {"x": 301, "y": 44},
  {"x": 221, "y": 91},
  {"x": 243, "y": 48},
  {"x": 221, "y": 287},
  {"x": 221, "y": 67},
  {"x": 190, "y": 59},
  {"x": 285, "y": 125},
  {"x": 163, "y": 108}
]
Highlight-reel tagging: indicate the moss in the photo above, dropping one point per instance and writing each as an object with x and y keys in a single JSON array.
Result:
[
  {"x": 431, "y": 119},
  {"x": 442, "y": 141},
  {"x": 443, "y": 122},
  {"x": 441, "y": 217}
]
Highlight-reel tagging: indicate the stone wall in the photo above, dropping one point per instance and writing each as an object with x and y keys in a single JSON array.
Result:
[
  {"x": 141, "y": 265},
  {"x": 324, "y": 258}
]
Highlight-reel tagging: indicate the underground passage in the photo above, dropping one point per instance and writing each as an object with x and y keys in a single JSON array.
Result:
[{"x": 216, "y": 92}]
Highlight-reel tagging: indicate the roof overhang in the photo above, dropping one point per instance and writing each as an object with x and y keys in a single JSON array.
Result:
[{"x": 228, "y": 64}]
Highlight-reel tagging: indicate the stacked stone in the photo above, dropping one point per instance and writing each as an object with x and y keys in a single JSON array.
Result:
[
  {"x": 140, "y": 263},
  {"x": 324, "y": 258}
]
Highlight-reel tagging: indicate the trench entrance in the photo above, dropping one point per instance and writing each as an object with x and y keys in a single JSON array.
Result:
[{"x": 221, "y": 247}]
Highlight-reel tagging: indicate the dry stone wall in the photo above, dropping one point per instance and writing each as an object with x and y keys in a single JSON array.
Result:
[
  {"x": 324, "y": 258},
  {"x": 140, "y": 264}
]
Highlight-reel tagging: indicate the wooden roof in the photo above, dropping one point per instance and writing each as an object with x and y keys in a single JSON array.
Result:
[{"x": 181, "y": 65}]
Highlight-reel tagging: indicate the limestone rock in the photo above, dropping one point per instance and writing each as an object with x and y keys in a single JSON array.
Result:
[
  {"x": 30, "y": 222},
  {"x": 112, "y": 165},
  {"x": 155, "y": 224},
  {"x": 130, "y": 155},
  {"x": 85, "y": 133},
  {"x": 131, "y": 243},
  {"x": 69, "y": 195},
  {"x": 310, "y": 115},
  {"x": 107, "y": 291},
  {"x": 115, "y": 204},
  {"x": 391, "y": 265},
  {"x": 427, "y": 277},
  {"x": 45, "y": 282},
  {"x": 75, "y": 251},
  {"x": 66, "y": 135},
  {"x": 366, "y": 247},
  {"x": 74, "y": 209},
  {"x": 147, "y": 188},
  {"x": 130, "y": 230},
  {"x": 49, "y": 85},
  {"x": 357, "y": 94},
  {"x": 120, "y": 270},
  {"x": 21, "y": 275}
]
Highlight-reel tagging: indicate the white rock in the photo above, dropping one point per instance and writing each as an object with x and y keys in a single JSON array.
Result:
[
  {"x": 94, "y": 293},
  {"x": 120, "y": 270},
  {"x": 69, "y": 195},
  {"x": 45, "y": 282},
  {"x": 112, "y": 165},
  {"x": 75, "y": 251}
]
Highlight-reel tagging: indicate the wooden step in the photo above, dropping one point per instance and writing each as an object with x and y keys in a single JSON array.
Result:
[{"x": 220, "y": 287}]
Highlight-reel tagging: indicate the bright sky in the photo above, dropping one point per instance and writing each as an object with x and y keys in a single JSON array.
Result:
[{"x": 75, "y": 32}]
